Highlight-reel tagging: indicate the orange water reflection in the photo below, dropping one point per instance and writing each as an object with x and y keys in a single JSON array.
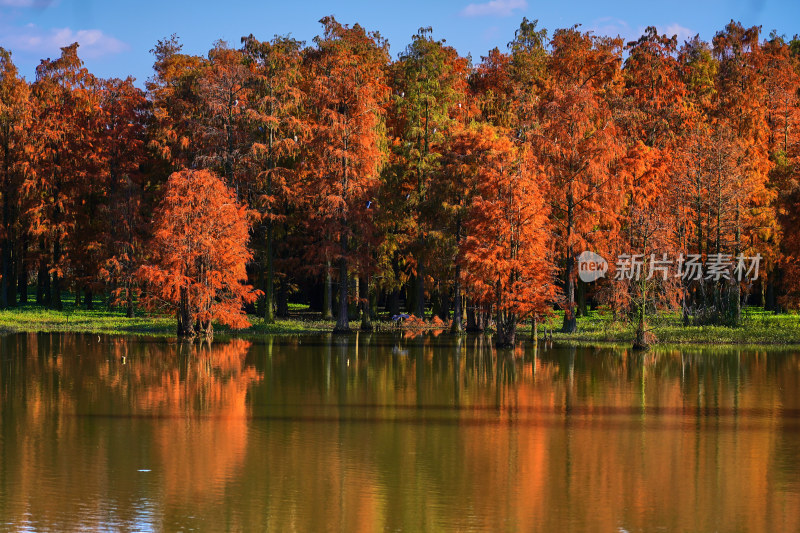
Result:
[{"x": 384, "y": 432}]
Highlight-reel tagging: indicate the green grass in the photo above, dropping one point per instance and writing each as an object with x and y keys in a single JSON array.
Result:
[
  {"x": 758, "y": 328},
  {"x": 34, "y": 318}
]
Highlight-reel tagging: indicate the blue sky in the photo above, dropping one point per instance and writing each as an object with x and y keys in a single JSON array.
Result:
[{"x": 117, "y": 35}]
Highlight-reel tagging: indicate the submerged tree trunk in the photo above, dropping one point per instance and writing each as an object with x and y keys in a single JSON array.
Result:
[
  {"x": 184, "y": 316},
  {"x": 506, "y": 335},
  {"x": 644, "y": 339},
  {"x": 476, "y": 318}
]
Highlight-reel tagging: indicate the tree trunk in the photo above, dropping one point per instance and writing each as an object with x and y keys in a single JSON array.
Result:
[
  {"x": 581, "y": 299},
  {"x": 442, "y": 302},
  {"x": 457, "y": 326},
  {"x": 366, "y": 289},
  {"x": 185, "y": 328},
  {"x": 55, "y": 288},
  {"x": 644, "y": 339},
  {"x": 419, "y": 287},
  {"x": 476, "y": 318},
  {"x": 570, "y": 324},
  {"x": 43, "y": 281},
  {"x": 22, "y": 273},
  {"x": 327, "y": 294},
  {"x": 394, "y": 295},
  {"x": 269, "y": 282},
  {"x": 394, "y": 302},
  {"x": 354, "y": 308},
  {"x": 342, "y": 319},
  {"x": 283, "y": 299},
  {"x": 129, "y": 303},
  {"x": 6, "y": 270},
  {"x": 506, "y": 335},
  {"x": 7, "y": 280}
]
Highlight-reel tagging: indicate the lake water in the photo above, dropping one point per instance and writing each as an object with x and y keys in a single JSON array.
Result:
[{"x": 388, "y": 432}]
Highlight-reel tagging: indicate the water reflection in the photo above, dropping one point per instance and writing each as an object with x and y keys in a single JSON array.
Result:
[{"x": 373, "y": 431}]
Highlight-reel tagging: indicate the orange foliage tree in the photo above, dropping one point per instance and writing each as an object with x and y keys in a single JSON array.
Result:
[
  {"x": 15, "y": 115},
  {"x": 347, "y": 92},
  {"x": 65, "y": 167},
  {"x": 507, "y": 262},
  {"x": 577, "y": 143},
  {"x": 123, "y": 109},
  {"x": 200, "y": 254}
]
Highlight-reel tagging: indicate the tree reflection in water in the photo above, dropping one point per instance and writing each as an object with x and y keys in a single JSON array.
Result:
[{"x": 367, "y": 432}]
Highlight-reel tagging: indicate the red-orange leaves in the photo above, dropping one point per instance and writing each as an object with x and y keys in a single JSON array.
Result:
[
  {"x": 506, "y": 257},
  {"x": 200, "y": 252}
]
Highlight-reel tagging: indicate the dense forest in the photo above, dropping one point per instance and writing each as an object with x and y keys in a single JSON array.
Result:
[{"x": 430, "y": 184}]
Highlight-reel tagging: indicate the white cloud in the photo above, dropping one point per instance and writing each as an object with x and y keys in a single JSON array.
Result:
[
  {"x": 676, "y": 29},
  {"x": 495, "y": 8},
  {"x": 612, "y": 27},
  {"x": 46, "y": 42}
]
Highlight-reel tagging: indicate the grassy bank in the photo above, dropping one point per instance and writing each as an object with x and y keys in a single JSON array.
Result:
[
  {"x": 759, "y": 328},
  {"x": 33, "y": 318}
]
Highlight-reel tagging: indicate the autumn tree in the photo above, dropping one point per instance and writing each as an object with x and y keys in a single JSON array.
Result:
[
  {"x": 507, "y": 263},
  {"x": 222, "y": 89},
  {"x": 781, "y": 70},
  {"x": 577, "y": 143},
  {"x": 528, "y": 70},
  {"x": 175, "y": 103},
  {"x": 739, "y": 163},
  {"x": 15, "y": 116},
  {"x": 199, "y": 254},
  {"x": 274, "y": 122},
  {"x": 346, "y": 95},
  {"x": 124, "y": 117},
  {"x": 429, "y": 85},
  {"x": 651, "y": 115},
  {"x": 462, "y": 155},
  {"x": 65, "y": 163}
]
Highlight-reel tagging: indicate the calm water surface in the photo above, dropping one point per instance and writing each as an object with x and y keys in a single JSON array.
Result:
[{"x": 382, "y": 432}]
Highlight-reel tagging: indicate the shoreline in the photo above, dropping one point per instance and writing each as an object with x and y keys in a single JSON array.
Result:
[{"x": 759, "y": 329}]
